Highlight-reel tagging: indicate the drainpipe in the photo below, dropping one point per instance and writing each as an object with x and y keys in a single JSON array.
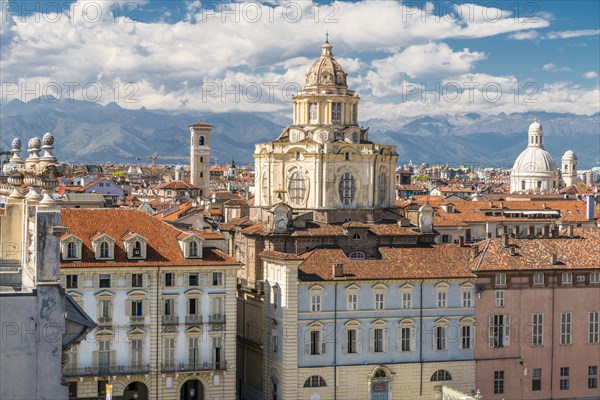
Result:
[
  {"x": 421, "y": 337},
  {"x": 335, "y": 343},
  {"x": 158, "y": 327},
  {"x": 552, "y": 340}
]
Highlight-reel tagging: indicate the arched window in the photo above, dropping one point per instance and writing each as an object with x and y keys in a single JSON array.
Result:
[
  {"x": 104, "y": 250},
  {"x": 382, "y": 188},
  {"x": 380, "y": 374},
  {"x": 347, "y": 189},
  {"x": 193, "y": 248},
  {"x": 72, "y": 250},
  {"x": 441, "y": 375},
  {"x": 297, "y": 188},
  {"x": 201, "y": 141},
  {"x": 265, "y": 187},
  {"x": 315, "y": 381},
  {"x": 357, "y": 255}
]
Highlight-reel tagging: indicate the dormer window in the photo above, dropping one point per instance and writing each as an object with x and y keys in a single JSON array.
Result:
[
  {"x": 191, "y": 245},
  {"x": 193, "y": 252},
  {"x": 135, "y": 245},
  {"x": 71, "y": 248},
  {"x": 104, "y": 247}
]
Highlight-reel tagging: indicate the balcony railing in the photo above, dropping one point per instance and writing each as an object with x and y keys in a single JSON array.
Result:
[
  {"x": 201, "y": 366},
  {"x": 136, "y": 320},
  {"x": 170, "y": 320},
  {"x": 98, "y": 370},
  {"x": 193, "y": 319},
  {"x": 216, "y": 319}
]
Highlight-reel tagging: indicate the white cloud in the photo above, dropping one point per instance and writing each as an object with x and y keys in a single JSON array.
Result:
[
  {"x": 590, "y": 75},
  {"x": 554, "y": 68},
  {"x": 526, "y": 35},
  {"x": 572, "y": 34}
]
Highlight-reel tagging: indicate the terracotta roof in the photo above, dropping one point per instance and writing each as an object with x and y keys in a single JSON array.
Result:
[
  {"x": 354, "y": 224},
  {"x": 580, "y": 252},
  {"x": 163, "y": 247},
  {"x": 201, "y": 124},
  {"x": 441, "y": 261},
  {"x": 174, "y": 185},
  {"x": 235, "y": 223},
  {"x": 280, "y": 255}
]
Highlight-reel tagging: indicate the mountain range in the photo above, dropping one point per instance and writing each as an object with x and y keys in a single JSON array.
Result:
[{"x": 88, "y": 132}]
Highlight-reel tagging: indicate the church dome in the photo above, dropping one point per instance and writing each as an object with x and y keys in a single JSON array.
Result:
[
  {"x": 326, "y": 71},
  {"x": 534, "y": 160},
  {"x": 535, "y": 126},
  {"x": 570, "y": 154}
]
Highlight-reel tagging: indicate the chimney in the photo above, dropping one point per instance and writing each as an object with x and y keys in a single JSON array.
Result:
[
  {"x": 546, "y": 231},
  {"x": 571, "y": 231},
  {"x": 589, "y": 209},
  {"x": 461, "y": 241},
  {"x": 489, "y": 235},
  {"x": 505, "y": 239},
  {"x": 338, "y": 270},
  {"x": 475, "y": 251},
  {"x": 513, "y": 251},
  {"x": 553, "y": 258}
]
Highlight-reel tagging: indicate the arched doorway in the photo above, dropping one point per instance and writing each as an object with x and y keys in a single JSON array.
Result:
[
  {"x": 379, "y": 384},
  {"x": 135, "y": 390},
  {"x": 192, "y": 390}
]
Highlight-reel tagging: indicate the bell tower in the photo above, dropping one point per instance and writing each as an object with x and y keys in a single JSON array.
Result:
[
  {"x": 569, "y": 168},
  {"x": 200, "y": 156}
]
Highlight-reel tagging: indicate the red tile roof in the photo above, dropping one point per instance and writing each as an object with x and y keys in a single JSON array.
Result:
[
  {"x": 580, "y": 252},
  {"x": 163, "y": 246},
  {"x": 441, "y": 261}
]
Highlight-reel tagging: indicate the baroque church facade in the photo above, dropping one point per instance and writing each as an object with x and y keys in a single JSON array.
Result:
[{"x": 324, "y": 160}]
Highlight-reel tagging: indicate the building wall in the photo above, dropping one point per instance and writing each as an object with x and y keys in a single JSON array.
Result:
[
  {"x": 522, "y": 300},
  {"x": 218, "y": 384}
]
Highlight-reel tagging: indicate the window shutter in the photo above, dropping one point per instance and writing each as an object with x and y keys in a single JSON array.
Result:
[
  {"x": 473, "y": 330},
  {"x": 435, "y": 337},
  {"x": 145, "y": 280},
  {"x": 98, "y": 309},
  {"x": 460, "y": 336},
  {"x": 163, "y": 279},
  {"x": 371, "y": 340},
  {"x": 113, "y": 359},
  {"x": 413, "y": 339},
  {"x": 145, "y": 308},
  {"x": 80, "y": 281},
  {"x": 128, "y": 308},
  {"x": 113, "y": 280},
  {"x": 399, "y": 339},
  {"x": 186, "y": 279},
  {"x": 359, "y": 343},
  {"x": 491, "y": 331},
  {"x": 307, "y": 342},
  {"x": 96, "y": 281},
  {"x": 323, "y": 339},
  {"x": 385, "y": 340},
  {"x": 95, "y": 359},
  {"x": 63, "y": 281},
  {"x": 206, "y": 278},
  {"x": 128, "y": 280},
  {"x": 345, "y": 341},
  {"x": 507, "y": 331}
]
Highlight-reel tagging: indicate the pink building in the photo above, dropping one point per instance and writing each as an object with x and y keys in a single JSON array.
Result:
[{"x": 538, "y": 310}]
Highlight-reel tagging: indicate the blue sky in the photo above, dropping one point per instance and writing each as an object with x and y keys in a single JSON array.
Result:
[{"x": 484, "y": 57}]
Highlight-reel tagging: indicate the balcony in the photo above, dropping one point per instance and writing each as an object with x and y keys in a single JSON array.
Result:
[
  {"x": 136, "y": 320},
  {"x": 201, "y": 366},
  {"x": 170, "y": 320},
  {"x": 104, "y": 321},
  {"x": 193, "y": 319},
  {"x": 216, "y": 319},
  {"x": 99, "y": 370}
]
